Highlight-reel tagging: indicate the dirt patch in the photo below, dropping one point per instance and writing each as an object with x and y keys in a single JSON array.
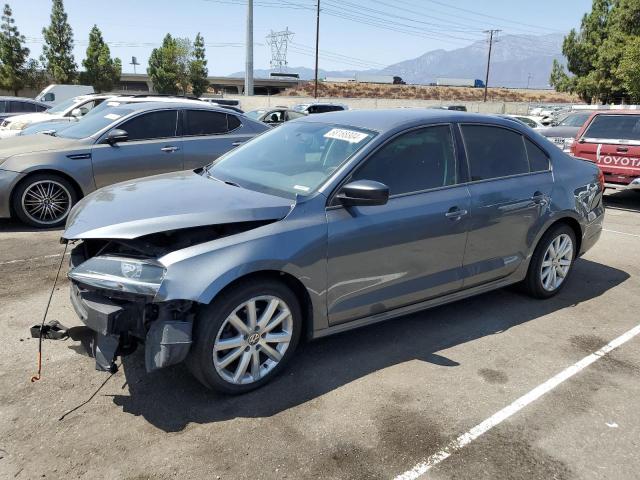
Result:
[
  {"x": 423, "y": 92},
  {"x": 611, "y": 362},
  {"x": 493, "y": 376},
  {"x": 507, "y": 452}
]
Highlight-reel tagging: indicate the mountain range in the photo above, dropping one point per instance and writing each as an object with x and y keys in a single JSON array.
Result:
[{"x": 516, "y": 61}]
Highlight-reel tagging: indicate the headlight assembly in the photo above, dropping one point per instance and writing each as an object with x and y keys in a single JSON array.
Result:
[
  {"x": 120, "y": 273},
  {"x": 18, "y": 125}
]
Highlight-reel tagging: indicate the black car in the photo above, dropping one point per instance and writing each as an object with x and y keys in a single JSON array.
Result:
[{"x": 10, "y": 106}]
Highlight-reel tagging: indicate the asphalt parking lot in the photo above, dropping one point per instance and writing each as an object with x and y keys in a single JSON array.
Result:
[{"x": 372, "y": 403}]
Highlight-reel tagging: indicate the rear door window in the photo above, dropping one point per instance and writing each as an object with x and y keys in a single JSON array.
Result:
[
  {"x": 152, "y": 125},
  {"x": 418, "y": 160},
  {"x": 202, "y": 122},
  {"x": 21, "y": 107},
  {"x": 494, "y": 152},
  {"x": 614, "y": 127}
]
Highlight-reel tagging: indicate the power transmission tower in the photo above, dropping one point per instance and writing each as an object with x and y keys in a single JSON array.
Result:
[
  {"x": 279, "y": 42},
  {"x": 491, "y": 40},
  {"x": 529, "y": 77},
  {"x": 248, "y": 68}
]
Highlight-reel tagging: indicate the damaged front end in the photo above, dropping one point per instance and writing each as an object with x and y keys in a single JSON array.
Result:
[{"x": 114, "y": 283}]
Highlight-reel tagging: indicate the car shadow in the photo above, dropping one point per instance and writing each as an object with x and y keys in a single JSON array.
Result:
[
  {"x": 170, "y": 399},
  {"x": 623, "y": 200},
  {"x": 10, "y": 225}
]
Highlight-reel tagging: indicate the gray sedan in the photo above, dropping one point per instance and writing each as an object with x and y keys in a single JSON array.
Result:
[
  {"x": 43, "y": 176},
  {"x": 322, "y": 225}
]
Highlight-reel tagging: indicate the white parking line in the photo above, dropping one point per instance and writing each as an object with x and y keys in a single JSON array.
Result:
[
  {"x": 519, "y": 404},
  {"x": 621, "y": 233},
  {"x": 31, "y": 259}
]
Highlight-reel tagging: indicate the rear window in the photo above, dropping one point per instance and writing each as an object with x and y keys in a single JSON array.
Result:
[
  {"x": 202, "y": 122},
  {"x": 614, "y": 127}
]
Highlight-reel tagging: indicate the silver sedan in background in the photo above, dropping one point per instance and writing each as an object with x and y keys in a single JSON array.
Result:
[{"x": 43, "y": 176}]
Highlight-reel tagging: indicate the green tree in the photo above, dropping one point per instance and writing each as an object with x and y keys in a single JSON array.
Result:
[
  {"x": 163, "y": 67},
  {"x": 57, "y": 51},
  {"x": 101, "y": 71},
  {"x": 183, "y": 58},
  {"x": 13, "y": 54},
  {"x": 198, "y": 71},
  {"x": 559, "y": 78},
  {"x": 629, "y": 69},
  {"x": 35, "y": 75}
]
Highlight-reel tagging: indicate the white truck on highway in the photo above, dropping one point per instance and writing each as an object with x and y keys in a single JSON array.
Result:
[{"x": 459, "y": 82}]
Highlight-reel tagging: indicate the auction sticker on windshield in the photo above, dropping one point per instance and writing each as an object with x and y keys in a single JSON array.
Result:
[{"x": 350, "y": 136}]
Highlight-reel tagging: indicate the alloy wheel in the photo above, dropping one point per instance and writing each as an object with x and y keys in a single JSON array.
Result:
[
  {"x": 46, "y": 202},
  {"x": 253, "y": 339},
  {"x": 556, "y": 262}
]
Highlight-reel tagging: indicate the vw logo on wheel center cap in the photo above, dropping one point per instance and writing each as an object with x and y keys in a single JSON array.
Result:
[{"x": 253, "y": 338}]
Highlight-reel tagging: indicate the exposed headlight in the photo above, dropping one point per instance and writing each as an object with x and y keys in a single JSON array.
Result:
[
  {"x": 120, "y": 273},
  {"x": 18, "y": 125}
]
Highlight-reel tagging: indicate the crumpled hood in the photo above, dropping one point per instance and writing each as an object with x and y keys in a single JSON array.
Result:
[
  {"x": 560, "y": 131},
  {"x": 168, "y": 202},
  {"x": 35, "y": 117},
  {"x": 35, "y": 143}
]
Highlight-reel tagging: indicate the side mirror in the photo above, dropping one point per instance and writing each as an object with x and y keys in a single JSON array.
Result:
[
  {"x": 79, "y": 112},
  {"x": 115, "y": 136},
  {"x": 363, "y": 192}
]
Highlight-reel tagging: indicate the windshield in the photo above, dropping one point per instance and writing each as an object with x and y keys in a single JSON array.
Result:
[
  {"x": 575, "y": 119},
  {"x": 98, "y": 109},
  {"x": 300, "y": 107},
  {"x": 63, "y": 106},
  {"x": 255, "y": 114},
  {"x": 94, "y": 123},
  {"x": 295, "y": 158}
]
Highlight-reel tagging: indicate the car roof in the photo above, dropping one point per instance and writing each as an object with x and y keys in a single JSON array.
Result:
[
  {"x": 150, "y": 105},
  {"x": 20, "y": 99},
  {"x": 384, "y": 120}
]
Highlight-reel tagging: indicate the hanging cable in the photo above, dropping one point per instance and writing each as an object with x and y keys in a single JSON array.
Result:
[{"x": 37, "y": 376}]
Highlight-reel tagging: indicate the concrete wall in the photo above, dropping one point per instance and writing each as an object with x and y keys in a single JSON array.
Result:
[{"x": 250, "y": 103}]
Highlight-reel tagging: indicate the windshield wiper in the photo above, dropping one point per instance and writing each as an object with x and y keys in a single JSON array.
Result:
[{"x": 228, "y": 182}]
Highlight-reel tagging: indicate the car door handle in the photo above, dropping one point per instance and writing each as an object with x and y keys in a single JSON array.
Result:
[
  {"x": 235, "y": 144},
  {"x": 622, "y": 149},
  {"x": 169, "y": 148},
  {"x": 455, "y": 213}
]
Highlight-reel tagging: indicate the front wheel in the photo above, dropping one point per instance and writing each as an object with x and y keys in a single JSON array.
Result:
[
  {"x": 552, "y": 262},
  {"x": 44, "y": 200},
  {"x": 245, "y": 337}
]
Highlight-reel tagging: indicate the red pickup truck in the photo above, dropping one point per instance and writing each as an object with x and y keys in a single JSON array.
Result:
[{"x": 611, "y": 138}]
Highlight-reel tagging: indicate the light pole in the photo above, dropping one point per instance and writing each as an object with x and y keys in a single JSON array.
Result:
[{"x": 248, "y": 68}]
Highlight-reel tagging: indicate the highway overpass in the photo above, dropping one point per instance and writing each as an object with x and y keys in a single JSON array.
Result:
[{"x": 140, "y": 82}]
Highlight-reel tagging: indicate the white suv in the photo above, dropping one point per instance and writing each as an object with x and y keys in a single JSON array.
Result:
[{"x": 68, "y": 111}]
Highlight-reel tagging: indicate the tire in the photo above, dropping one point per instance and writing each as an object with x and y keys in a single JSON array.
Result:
[
  {"x": 253, "y": 351},
  {"x": 540, "y": 284},
  {"x": 44, "y": 200}
]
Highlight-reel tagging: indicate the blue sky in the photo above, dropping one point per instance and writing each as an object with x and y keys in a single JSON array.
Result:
[{"x": 354, "y": 34}]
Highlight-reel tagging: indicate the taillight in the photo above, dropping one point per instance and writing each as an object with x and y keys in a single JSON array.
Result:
[{"x": 601, "y": 179}]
